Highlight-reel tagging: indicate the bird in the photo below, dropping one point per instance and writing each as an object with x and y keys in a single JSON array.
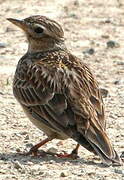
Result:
[{"x": 59, "y": 93}]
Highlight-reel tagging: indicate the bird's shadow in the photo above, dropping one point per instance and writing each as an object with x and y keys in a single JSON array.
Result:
[{"x": 22, "y": 159}]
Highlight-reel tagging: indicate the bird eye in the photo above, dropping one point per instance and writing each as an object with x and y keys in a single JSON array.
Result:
[{"x": 38, "y": 30}]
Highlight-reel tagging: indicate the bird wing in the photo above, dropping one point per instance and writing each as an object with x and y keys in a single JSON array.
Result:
[
  {"x": 86, "y": 93},
  {"x": 86, "y": 102},
  {"x": 37, "y": 87}
]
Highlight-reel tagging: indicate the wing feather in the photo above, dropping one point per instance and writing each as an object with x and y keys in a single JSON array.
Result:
[{"x": 87, "y": 104}]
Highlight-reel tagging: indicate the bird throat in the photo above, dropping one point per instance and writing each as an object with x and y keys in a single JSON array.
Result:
[{"x": 44, "y": 44}]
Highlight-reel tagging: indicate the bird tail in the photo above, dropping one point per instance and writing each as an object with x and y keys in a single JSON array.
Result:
[{"x": 97, "y": 141}]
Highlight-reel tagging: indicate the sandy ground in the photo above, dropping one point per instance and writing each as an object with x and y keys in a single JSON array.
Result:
[{"x": 87, "y": 24}]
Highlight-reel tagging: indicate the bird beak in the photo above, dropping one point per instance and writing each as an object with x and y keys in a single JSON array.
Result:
[{"x": 19, "y": 23}]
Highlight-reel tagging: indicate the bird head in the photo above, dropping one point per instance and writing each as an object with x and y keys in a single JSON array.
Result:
[{"x": 43, "y": 34}]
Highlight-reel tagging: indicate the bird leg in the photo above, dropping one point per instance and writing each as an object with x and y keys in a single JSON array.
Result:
[
  {"x": 72, "y": 155},
  {"x": 34, "y": 149}
]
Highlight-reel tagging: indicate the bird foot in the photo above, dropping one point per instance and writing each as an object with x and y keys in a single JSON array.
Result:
[
  {"x": 41, "y": 153},
  {"x": 66, "y": 155},
  {"x": 34, "y": 150}
]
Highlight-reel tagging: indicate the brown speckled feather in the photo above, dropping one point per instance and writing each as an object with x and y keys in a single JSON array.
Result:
[{"x": 57, "y": 90}]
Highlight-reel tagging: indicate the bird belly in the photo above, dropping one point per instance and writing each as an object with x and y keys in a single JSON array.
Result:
[{"x": 43, "y": 127}]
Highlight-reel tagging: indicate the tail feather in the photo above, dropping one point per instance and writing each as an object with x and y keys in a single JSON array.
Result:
[{"x": 98, "y": 142}]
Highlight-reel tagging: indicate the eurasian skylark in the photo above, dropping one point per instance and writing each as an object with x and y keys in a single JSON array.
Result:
[{"x": 58, "y": 92}]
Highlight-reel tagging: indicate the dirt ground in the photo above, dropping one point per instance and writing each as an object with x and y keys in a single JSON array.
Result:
[{"x": 94, "y": 31}]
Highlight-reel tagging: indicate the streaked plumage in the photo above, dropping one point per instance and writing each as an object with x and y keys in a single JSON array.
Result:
[{"x": 57, "y": 90}]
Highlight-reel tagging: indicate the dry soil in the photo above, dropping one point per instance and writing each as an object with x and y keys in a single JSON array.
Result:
[{"x": 94, "y": 31}]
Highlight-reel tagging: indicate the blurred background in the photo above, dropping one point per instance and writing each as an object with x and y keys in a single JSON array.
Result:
[{"x": 94, "y": 31}]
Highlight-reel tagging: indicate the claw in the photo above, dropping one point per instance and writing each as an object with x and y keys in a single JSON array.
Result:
[{"x": 71, "y": 156}]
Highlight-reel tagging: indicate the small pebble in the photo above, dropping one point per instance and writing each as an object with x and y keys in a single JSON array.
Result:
[
  {"x": 51, "y": 162},
  {"x": 73, "y": 15},
  {"x": 105, "y": 36},
  {"x": 107, "y": 21},
  {"x": 89, "y": 51},
  {"x": 1, "y": 93},
  {"x": 116, "y": 82},
  {"x": 29, "y": 163},
  {"x": 25, "y": 141},
  {"x": 112, "y": 44},
  {"x": 17, "y": 165},
  {"x": 76, "y": 3},
  {"x": 29, "y": 145},
  {"x": 119, "y": 82},
  {"x": 17, "y": 134},
  {"x": 41, "y": 173},
  {"x": 18, "y": 150},
  {"x": 23, "y": 133},
  {"x": 120, "y": 63},
  {"x": 104, "y": 92},
  {"x": 122, "y": 154},
  {"x": 27, "y": 137},
  {"x": 118, "y": 171},
  {"x": 3, "y": 45},
  {"x": 63, "y": 174},
  {"x": 52, "y": 150}
]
